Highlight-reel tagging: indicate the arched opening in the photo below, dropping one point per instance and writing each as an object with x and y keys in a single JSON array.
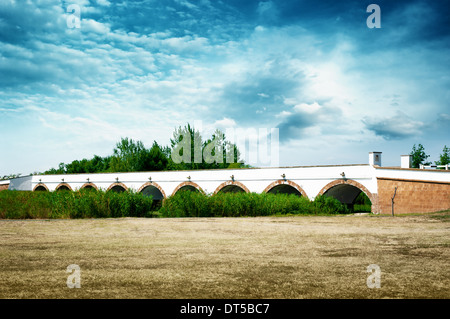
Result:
[
  {"x": 188, "y": 186},
  {"x": 40, "y": 188},
  {"x": 89, "y": 186},
  {"x": 285, "y": 187},
  {"x": 231, "y": 187},
  {"x": 117, "y": 188},
  {"x": 350, "y": 193},
  {"x": 63, "y": 187},
  {"x": 155, "y": 191},
  {"x": 362, "y": 203}
]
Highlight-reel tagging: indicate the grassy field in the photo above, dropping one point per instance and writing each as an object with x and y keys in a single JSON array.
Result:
[{"x": 260, "y": 257}]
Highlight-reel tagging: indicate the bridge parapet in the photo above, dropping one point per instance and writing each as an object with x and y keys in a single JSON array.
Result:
[
  {"x": 341, "y": 181},
  {"x": 308, "y": 180}
]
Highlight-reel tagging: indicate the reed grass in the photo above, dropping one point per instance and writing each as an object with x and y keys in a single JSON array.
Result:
[
  {"x": 196, "y": 204},
  {"x": 100, "y": 204},
  {"x": 78, "y": 204}
]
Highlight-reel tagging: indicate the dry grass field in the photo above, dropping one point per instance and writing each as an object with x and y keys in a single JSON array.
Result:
[{"x": 270, "y": 257}]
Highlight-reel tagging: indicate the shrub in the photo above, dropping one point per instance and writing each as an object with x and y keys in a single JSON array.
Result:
[
  {"x": 194, "y": 204},
  {"x": 329, "y": 205},
  {"x": 78, "y": 204},
  {"x": 99, "y": 204}
]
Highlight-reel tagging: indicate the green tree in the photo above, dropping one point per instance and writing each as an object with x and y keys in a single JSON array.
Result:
[
  {"x": 100, "y": 164},
  {"x": 220, "y": 153},
  {"x": 419, "y": 156},
  {"x": 157, "y": 159},
  {"x": 189, "y": 151},
  {"x": 11, "y": 176},
  {"x": 186, "y": 143},
  {"x": 444, "y": 158},
  {"x": 186, "y": 148},
  {"x": 129, "y": 156}
]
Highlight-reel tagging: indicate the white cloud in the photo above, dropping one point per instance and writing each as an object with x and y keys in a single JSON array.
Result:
[
  {"x": 89, "y": 25},
  {"x": 105, "y": 3},
  {"x": 225, "y": 123},
  {"x": 186, "y": 43},
  {"x": 398, "y": 126},
  {"x": 186, "y": 4},
  {"x": 283, "y": 114},
  {"x": 111, "y": 78},
  {"x": 307, "y": 108}
]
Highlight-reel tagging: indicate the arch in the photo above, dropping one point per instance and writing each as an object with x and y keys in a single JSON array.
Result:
[
  {"x": 63, "y": 187},
  {"x": 231, "y": 187},
  {"x": 188, "y": 186},
  {"x": 155, "y": 190},
  {"x": 117, "y": 187},
  {"x": 286, "y": 187},
  {"x": 89, "y": 186},
  {"x": 346, "y": 191},
  {"x": 40, "y": 187}
]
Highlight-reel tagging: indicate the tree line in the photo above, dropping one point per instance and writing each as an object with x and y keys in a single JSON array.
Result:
[
  {"x": 419, "y": 157},
  {"x": 132, "y": 156}
]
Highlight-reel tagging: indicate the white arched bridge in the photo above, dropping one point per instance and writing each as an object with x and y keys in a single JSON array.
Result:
[{"x": 416, "y": 190}]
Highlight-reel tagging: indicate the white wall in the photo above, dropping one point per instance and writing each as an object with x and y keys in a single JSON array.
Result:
[
  {"x": 311, "y": 179},
  {"x": 414, "y": 174}
]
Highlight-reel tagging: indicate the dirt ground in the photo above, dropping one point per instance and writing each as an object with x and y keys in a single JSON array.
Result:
[{"x": 268, "y": 257}]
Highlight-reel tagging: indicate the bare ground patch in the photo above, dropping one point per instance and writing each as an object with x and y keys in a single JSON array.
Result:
[{"x": 267, "y": 257}]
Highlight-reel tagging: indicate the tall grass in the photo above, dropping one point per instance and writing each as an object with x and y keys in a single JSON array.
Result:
[
  {"x": 196, "y": 204},
  {"x": 79, "y": 204},
  {"x": 99, "y": 204},
  {"x": 362, "y": 203}
]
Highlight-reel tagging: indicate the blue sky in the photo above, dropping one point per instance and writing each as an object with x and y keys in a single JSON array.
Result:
[{"x": 334, "y": 88}]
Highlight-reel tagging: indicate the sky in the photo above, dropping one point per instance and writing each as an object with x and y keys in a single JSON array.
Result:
[{"x": 334, "y": 88}]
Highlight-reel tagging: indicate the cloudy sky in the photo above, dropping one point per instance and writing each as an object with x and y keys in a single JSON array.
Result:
[{"x": 333, "y": 87}]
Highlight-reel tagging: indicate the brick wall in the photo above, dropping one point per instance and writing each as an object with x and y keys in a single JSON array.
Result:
[
  {"x": 413, "y": 196},
  {"x": 4, "y": 187}
]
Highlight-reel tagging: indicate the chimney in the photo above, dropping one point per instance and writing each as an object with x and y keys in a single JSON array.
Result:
[
  {"x": 375, "y": 158},
  {"x": 406, "y": 161}
]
